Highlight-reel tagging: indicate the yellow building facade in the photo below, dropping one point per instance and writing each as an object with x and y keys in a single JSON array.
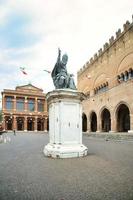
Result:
[
  {"x": 24, "y": 109},
  {"x": 107, "y": 81}
]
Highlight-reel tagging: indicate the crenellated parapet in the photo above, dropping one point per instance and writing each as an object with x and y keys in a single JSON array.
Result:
[{"x": 119, "y": 33}]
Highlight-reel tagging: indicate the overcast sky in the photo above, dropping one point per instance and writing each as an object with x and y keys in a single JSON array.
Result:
[{"x": 32, "y": 30}]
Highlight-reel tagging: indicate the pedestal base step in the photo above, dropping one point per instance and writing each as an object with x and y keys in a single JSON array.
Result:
[{"x": 65, "y": 151}]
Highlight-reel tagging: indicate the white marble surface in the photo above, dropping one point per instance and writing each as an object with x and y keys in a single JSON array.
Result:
[{"x": 65, "y": 124}]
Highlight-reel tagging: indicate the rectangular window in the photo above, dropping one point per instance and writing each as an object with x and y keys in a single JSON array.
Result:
[
  {"x": 9, "y": 103},
  {"x": 20, "y": 104},
  {"x": 40, "y": 105},
  {"x": 31, "y": 105}
]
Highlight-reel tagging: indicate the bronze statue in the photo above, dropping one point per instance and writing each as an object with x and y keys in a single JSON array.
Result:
[{"x": 61, "y": 78}]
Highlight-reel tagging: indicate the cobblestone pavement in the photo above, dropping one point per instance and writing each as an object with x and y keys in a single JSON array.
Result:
[{"x": 105, "y": 174}]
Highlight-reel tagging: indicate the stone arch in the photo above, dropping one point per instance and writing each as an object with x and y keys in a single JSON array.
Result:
[
  {"x": 84, "y": 122},
  {"x": 93, "y": 121},
  {"x": 99, "y": 79},
  {"x": 86, "y": 89},
  {"x": 121, "y": 102},
  {"x": 127, "y": 61},
  {"x": 105, "y": 116},
  {"x": 122, "y": 117}
]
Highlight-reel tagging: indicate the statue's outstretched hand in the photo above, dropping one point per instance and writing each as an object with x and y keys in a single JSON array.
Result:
[
  {"x": 59, "y": 51},
  {"x": 59, "y": 55},
  {"x": 71, "y": 75}
]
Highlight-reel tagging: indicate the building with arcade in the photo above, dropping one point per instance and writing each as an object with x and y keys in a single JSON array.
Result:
[
  {"x": 24, "y": 109},
  {"x": 107, "y": 81}
]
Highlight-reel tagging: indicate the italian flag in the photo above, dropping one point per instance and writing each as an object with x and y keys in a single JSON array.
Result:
[{"x": 23, "y": 70}]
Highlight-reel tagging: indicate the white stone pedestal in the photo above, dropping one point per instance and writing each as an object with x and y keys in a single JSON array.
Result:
[
  {"x": 130, "y": 131},
  {"x": 65, "y": 124}
]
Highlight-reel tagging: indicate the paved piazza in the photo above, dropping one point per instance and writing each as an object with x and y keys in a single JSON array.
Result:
[{"x": 25, "y": 174}]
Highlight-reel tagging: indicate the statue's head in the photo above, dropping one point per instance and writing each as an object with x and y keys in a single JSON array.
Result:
[{"x": 64, "y": 59}]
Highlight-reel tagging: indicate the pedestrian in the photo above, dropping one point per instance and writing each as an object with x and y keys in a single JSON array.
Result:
[{"x": 14, "y": 131}]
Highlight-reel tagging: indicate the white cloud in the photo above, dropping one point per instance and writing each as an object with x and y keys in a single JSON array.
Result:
[
  {"x": 78, "y": 27},
  {"x": 3, "y": 14}
]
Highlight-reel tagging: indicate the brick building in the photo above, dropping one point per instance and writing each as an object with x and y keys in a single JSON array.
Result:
[
  {"x": 24, "y": 109},
  {"x": 107, "y": 81}
]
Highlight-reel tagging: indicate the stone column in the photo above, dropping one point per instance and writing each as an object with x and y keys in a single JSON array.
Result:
[
  {"x": 25, "y": 104},
  {"x": 25, "y": 123},
  {"x": 14, "y": 123},
  {"x": 35, "y": 124},
  {"x": 99, "y": 125},
  {"x": 113, "y": 125},
  {"x": 45, "y": 124},
  {"x": 89, "y": 126},
  {"x": 131, "y": 124},
  {"x": 14, "y": 103}
]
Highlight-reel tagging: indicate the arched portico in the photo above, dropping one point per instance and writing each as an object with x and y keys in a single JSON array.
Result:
[
  {"x": 123, "y": 118},
  {"x": 105, "y": 120},
  {"x": 93, "y": 122},
  {"x": 84, "y": 122}
]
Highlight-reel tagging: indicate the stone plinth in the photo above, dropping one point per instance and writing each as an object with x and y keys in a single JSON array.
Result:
[{"x": 65, "y": 124}]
